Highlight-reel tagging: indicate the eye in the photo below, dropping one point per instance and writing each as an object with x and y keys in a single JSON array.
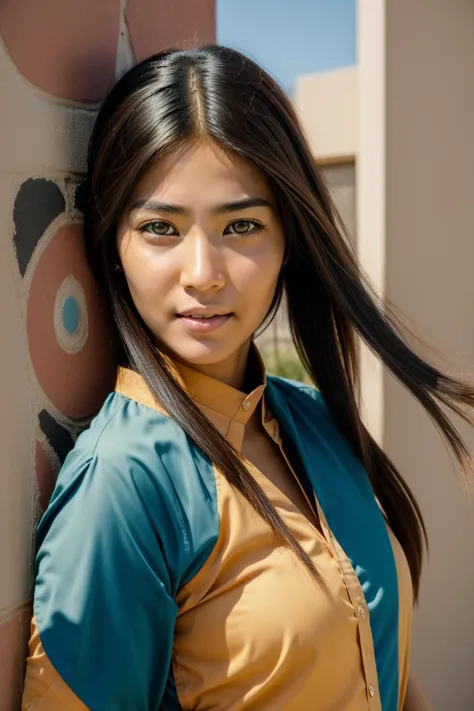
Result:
[
  {"x": 159, "y": 228},
  {"x": 243, "y": 227}
]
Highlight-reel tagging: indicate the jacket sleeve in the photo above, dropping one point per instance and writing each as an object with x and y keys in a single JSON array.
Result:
[
  {"x": 44, "y": 689},
  {"x": 104, "y": 595}
]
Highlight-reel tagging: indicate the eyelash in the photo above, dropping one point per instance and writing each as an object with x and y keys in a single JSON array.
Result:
[
  {"x": 256, "y": 228},
  {"x": 144, "y": 228}
]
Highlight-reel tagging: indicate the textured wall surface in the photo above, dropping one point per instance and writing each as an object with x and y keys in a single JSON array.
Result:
[
  {"x": 429, "y": 260},
  {"x": 57, "y": 60},
  {"x": 415, "y": 212}
]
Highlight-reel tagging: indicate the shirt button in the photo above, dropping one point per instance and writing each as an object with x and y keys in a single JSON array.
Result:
[
  {"x": 371, "y": 690},
  {"x": 361, "y": 612},
  {"x": 247, "y": 405}
]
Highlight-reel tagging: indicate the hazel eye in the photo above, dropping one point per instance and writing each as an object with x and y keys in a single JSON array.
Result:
[
  {"x": 243, "y": 227},
  {"x": 159, "y": 228}
]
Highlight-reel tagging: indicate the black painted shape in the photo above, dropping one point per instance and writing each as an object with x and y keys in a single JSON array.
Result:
[
  {"x": 58, "y": 436},
  {"x": 37, "y": 203},
  {"x": 80, "y": 197}
]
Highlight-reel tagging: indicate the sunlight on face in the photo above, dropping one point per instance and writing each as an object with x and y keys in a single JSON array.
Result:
[{"x": 202, "y": 247}]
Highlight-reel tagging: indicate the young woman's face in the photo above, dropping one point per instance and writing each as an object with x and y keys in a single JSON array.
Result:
[{"x": 202, "y": 247}]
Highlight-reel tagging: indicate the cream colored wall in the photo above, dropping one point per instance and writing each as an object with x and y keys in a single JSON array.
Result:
[
  {"x": 341, "y": 180},
  {"x": 370, "y": 181},
  {"x": 327, "y": 104},
  {"x": 429, "y": 274}
]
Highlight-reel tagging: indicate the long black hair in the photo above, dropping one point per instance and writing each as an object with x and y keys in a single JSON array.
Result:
[{"x": 213, "y": 92}]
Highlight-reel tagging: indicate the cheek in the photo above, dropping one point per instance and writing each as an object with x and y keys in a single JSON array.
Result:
[
  {"x": 150, "y": 278},
  {"x": 256, "y": 278},
  {"x": 149, "y": 292}
]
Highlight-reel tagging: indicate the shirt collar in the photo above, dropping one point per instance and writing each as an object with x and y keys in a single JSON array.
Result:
[{"x": 227, "y": 408}]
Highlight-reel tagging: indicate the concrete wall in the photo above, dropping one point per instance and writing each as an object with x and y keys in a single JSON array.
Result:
[
  {"x": 327, "y": 103},
  {"x": 371, "y": 189},
  {"x": 416, "y": 226},
  {"x": 57, "y": 59},
  {"x": 429, "y": 268}
]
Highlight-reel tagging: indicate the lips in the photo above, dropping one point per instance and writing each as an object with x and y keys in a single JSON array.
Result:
[
  {"x": 199, "y": 315},
  {"x": 203, "y": 323},
  {"x": 201, "y": 312}
]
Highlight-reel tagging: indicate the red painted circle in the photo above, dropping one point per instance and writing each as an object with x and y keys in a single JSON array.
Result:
[
  {"x": 76, "y": 383},
  {"x": 159, "y": 24},
  {"x": 65, "y": 47}
]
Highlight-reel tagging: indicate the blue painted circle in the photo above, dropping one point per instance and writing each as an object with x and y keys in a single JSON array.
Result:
[{"x": 70, "y": 314}]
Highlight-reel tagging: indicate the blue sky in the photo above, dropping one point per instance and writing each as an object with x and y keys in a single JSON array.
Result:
[{"x": 290, "y": 37}]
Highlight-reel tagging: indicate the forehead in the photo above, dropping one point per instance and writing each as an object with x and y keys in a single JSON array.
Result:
[{"x": 201, "y": 172}]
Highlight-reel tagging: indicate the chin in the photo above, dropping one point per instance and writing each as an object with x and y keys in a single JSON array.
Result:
[{"x": 202, "y": 353}]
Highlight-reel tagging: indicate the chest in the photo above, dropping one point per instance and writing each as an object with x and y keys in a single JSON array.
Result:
[
  {"x": 254, "y": 622},
  {"x": 252, "y": 618},
  {"x": 271, "y": 467}
]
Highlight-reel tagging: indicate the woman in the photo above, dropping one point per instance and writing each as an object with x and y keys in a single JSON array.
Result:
[{"x": 219, "y": 539}]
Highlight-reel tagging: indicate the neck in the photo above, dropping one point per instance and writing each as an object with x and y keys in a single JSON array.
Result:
[{"x": 230, "y": 371}]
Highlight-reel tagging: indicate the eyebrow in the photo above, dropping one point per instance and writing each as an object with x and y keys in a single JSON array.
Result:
[{"x": 155, "y": 206}]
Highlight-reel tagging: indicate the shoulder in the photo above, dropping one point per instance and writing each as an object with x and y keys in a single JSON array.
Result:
[
  {"x": 123, "y": 426},
  {"x": 306, "y": 408},
  {"x": 129, "y": 445},
  {"x": 135, "y": 465},
  {"x": 298, "y": 392},
  {"x": 120, "y": 451}
]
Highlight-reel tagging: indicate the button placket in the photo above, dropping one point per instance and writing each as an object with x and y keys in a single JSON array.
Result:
[{"x": 357, "y": 597}]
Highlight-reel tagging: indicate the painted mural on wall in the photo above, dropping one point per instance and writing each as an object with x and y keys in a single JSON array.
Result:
[
  {"x": 63, "y": 55},
  {"x": 66, "y": 329}
]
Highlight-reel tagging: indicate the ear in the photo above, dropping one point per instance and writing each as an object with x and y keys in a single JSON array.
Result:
[{"x": 37, "y": 204}]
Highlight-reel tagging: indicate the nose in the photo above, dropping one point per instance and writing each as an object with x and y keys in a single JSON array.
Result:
[{"x": 202, "y": 265}]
